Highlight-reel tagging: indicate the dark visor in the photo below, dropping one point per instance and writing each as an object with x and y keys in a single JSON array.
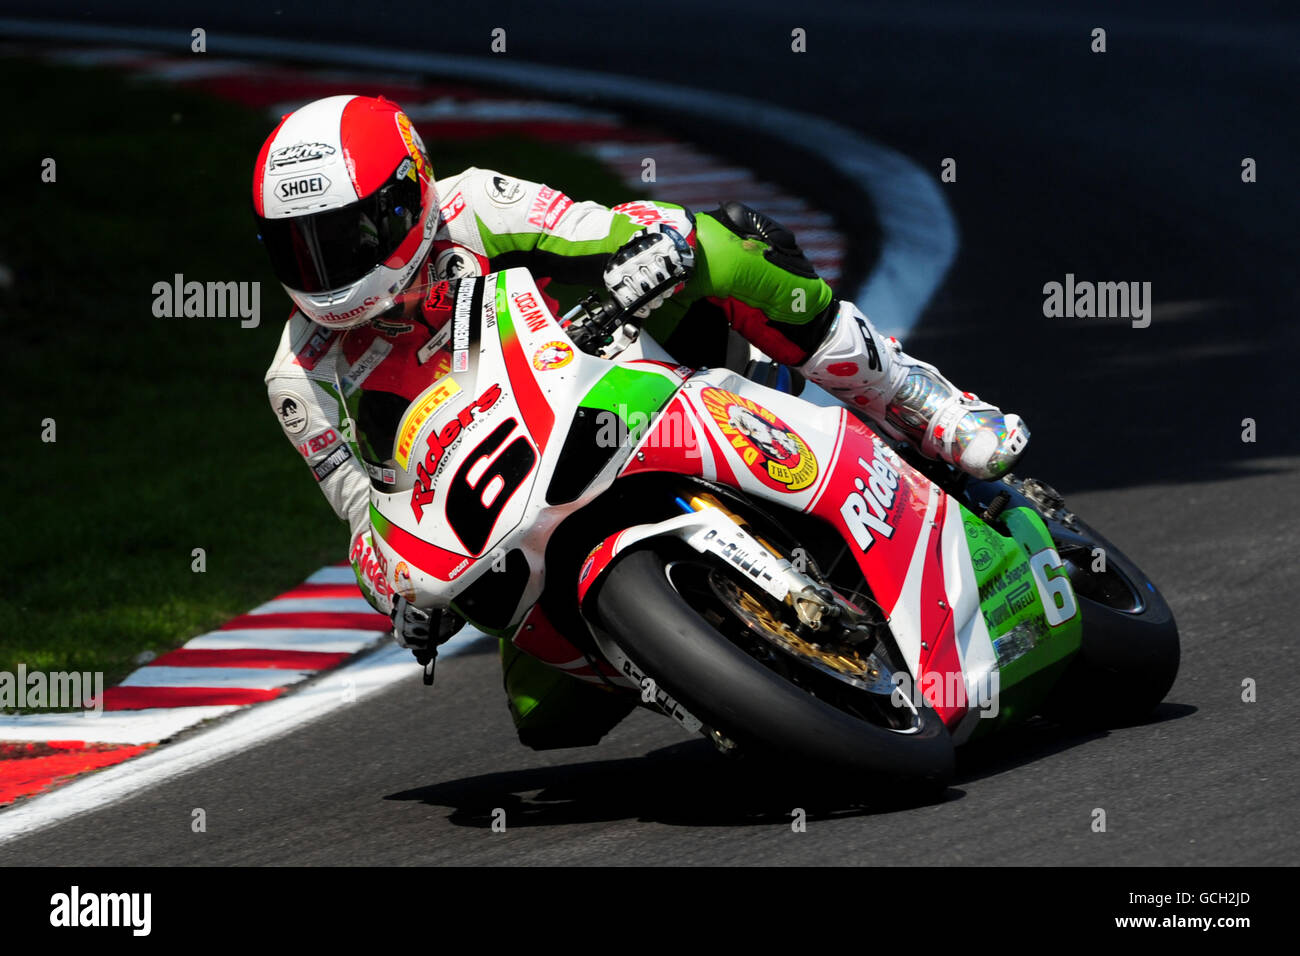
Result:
[{"x": 331, "y": 249}]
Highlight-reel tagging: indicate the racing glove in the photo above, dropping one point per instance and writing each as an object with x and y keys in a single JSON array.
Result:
[
  {"x": 421, "y": 631},
  {"x": 649, "y": 260}
]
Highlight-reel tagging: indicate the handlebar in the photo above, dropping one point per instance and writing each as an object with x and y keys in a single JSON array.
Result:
[{"x": 593, "y": 322}]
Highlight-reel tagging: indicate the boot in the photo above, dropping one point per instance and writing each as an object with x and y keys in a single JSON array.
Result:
[{"x": 911, "y": 401}]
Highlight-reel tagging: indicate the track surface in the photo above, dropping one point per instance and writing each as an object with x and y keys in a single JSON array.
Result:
[{"x": 1123, "y": 166}]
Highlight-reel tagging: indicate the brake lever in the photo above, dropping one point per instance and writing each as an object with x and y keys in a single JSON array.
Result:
[{"x": 594, "y": 321}]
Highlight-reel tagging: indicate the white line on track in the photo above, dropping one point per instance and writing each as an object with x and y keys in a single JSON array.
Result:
[
  {"x": 333, "y": 691},
  {"x": 253, "y": 678}
]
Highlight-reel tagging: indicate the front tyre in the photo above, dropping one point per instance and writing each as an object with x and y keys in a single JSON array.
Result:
[{"x": 739, "y": 696}]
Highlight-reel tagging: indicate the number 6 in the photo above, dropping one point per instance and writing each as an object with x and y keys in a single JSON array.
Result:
[{"x": 1052, "y": 587}]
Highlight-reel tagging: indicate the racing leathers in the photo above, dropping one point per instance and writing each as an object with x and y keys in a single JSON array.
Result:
[{"x": 337, "y": 393}]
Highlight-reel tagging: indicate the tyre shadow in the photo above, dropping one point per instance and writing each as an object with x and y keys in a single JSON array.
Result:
[
  {"x": 1039, "y": 738},
  {"x": 690, "y": 784},
  {"x": 686, "y": 784}
]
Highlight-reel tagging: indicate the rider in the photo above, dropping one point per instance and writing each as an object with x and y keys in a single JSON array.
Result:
[{"x": 362, "y": 237}]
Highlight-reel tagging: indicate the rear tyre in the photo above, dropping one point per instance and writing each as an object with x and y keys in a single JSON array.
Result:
[{"x": 1130, "y": 652}]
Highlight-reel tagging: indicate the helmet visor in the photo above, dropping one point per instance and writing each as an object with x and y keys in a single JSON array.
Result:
[{"x": 334, "y": 248}]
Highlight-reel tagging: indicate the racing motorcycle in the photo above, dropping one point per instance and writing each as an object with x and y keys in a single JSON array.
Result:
[{"x": 764, "y": 571}]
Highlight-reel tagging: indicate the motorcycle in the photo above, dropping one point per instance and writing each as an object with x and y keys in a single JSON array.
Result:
[{"x": 764, "y": 571}]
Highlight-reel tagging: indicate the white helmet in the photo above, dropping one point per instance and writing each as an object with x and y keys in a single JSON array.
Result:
[{"x": 344, "y": 197}]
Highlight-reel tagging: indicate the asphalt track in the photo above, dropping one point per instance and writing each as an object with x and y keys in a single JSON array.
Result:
[{"x": 1122, "y": 166}]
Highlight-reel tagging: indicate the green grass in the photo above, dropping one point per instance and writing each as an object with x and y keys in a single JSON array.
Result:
[{"x": 165, "y": 439}]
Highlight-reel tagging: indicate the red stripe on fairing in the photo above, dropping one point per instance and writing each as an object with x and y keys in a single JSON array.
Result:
[
  {"x": 829, "y": 466},
  {"x": 28, "y": 769},
  {"x": 143, "y": 698},
  {"x": 721, "y": 467},
  {"x": 537, "y": 411},
  {"x": 310, "y": 619},
  {"x": 886, "y": 561},
  {"x": 308, "y": 591},
  {"x": 428, "y": 557},
  {"x": 942, "y": 658},
  {"x": 251, "y": 657},
  {"x": 659, "y": 452}
]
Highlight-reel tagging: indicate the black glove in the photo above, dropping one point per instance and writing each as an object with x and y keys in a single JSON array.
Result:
[{"x": 421, "y": 631}]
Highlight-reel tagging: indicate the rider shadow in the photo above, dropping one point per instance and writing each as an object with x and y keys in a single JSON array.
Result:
[
  {"x": 687, "y": 784},
  {"x": 1037, "y": 739}
]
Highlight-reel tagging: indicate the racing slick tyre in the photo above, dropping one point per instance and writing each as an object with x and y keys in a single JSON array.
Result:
[
  {"x": 762, "y": 712},
  {"x": 1130, "y": 652}
]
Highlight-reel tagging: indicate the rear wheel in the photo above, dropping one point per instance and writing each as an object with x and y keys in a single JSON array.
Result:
[
  {"x": 1130, "y": 653},
  {"x": 717, "y": 644}
]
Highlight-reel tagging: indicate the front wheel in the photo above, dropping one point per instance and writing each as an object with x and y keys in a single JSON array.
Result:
[{"x": 661, "y": 612}]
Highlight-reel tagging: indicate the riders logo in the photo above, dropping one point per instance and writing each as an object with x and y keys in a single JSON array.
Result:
[
  {"x": 552, "y": 355},
  {"x": 439, "y": 441},
  {"x": 369, "y": 565},
  {"x": 773, "y": 451},
  {"x": 867, "y": 512}
]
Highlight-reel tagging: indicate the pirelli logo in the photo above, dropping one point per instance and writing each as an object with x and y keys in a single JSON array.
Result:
[{"x": 419, "y": 414}]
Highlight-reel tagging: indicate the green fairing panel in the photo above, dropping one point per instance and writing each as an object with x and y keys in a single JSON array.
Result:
[{"x": 1030, "y": 652}]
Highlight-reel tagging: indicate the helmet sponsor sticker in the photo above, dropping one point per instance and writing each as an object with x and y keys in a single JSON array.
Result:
[
  {"x": 406, "y": 168},
  {"x": 772, "y": 450},
  {"x": 297, "y": 154},
  {"x": 552, "y": 355},
  {"x": 411, "y": 138},
  {"x": 504, "y": 191},
  {"x": 419, "y": 413},
  {"x": 302, "y": 187},
  {"x": 293, "y": 412}
]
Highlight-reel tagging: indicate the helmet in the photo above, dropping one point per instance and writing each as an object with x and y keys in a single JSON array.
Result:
[{"x": 344, "y": 197}]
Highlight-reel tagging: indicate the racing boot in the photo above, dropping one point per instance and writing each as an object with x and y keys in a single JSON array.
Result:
[{"x": 911, "y": 401}]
